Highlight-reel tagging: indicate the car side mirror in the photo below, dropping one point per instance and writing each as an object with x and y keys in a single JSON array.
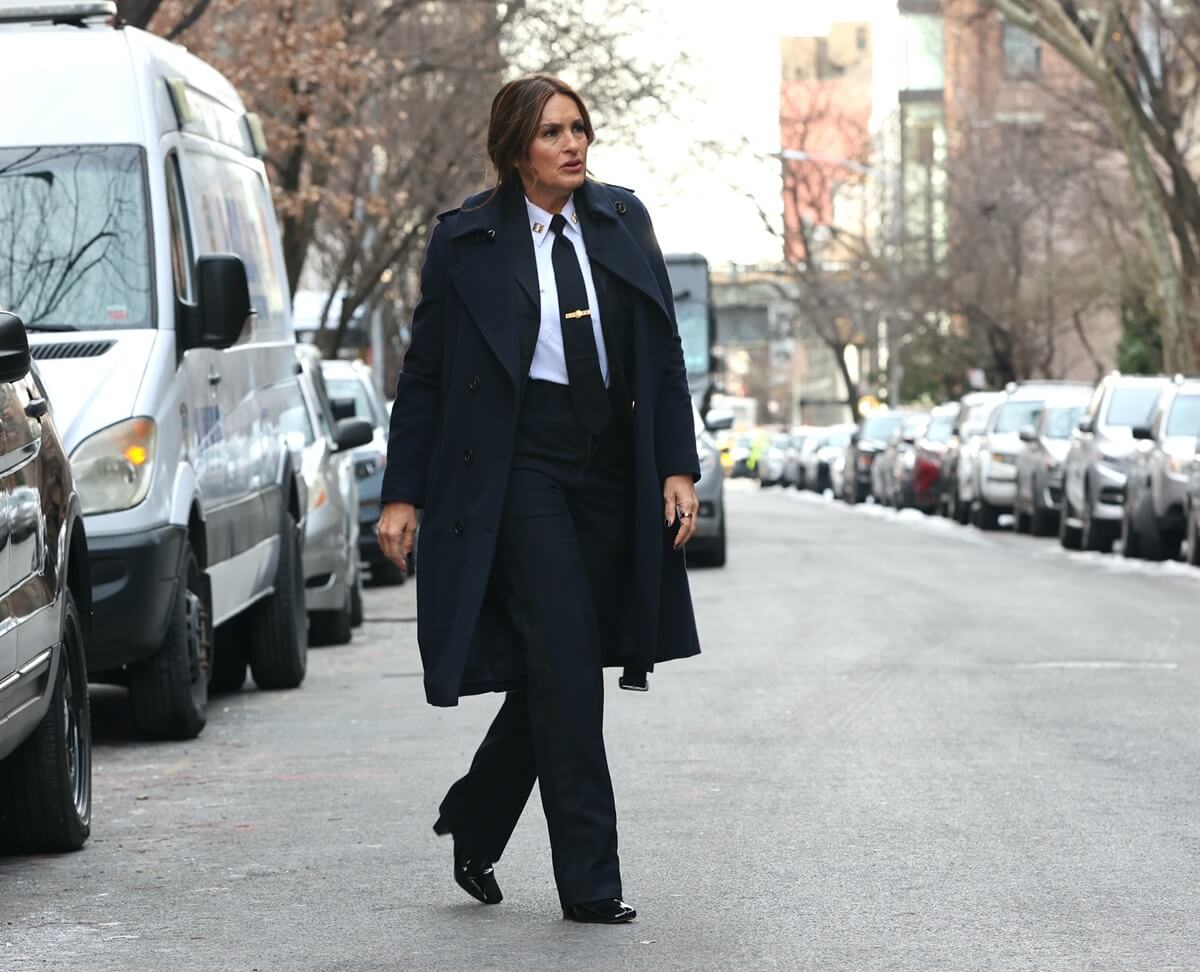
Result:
[
  {"x": 1087, "y": 425},
  {"x": 718, "y": 421},
  {"x": 15, "y": 360},
  {"x": 854, "y": 437},
  {"x": 910, "y": 440},
  {"x": 343, "y": 408},
  {"x": 351, "y": 433},
  {"x": 1028, "y": 433},
  {"x": 224, "y": 301},
  {"x": 1142, "y": 432}
]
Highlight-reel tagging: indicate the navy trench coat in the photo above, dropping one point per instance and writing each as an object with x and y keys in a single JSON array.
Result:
[{"x": 454, "y": 422}]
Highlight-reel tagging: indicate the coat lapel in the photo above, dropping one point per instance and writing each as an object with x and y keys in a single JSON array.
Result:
[
  {"x": 610, "y": 244},
  {"x": 497, "y": 279}
]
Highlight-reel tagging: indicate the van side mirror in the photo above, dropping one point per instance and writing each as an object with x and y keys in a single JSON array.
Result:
[
  {"x": 1028, "y": 433},
  {"x": 1142, "y": 432},
  {"x": 343, "y": 408},
  {"x": 224, "y": 301},
  {"x": 350, "y": 433},
  {"x": 15, "y": 359},
  {"x": 1087, "y": 425}
]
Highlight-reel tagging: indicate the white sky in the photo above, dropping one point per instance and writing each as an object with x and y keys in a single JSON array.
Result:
[{"x": 734, "y": 73}]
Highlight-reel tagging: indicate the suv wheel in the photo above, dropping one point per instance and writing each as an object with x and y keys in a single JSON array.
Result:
[
  {"x": 278, "y": 624},
  {"x": 169, "y": 693},
  {"x": 46, "y": 785}
]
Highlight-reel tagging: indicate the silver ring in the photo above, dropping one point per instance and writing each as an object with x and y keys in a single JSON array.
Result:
[{"x": 686, "y": 516}]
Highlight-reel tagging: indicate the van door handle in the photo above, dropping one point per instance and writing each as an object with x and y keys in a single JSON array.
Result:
[
  {"x": 214, "y": 378},
  {"x": 36, "y": 408}
]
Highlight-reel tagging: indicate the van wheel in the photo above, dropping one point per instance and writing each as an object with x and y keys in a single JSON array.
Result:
[
  {"x": 356, "y": 601},
  {"x": 278, "y": 625},
  {"x": 229, "y": 657},
  {"x": 169, "y": 693},
  {"x": 46, "y": 785}
]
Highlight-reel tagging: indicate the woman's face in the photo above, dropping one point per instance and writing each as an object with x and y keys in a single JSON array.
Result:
[{"x": 557, "y": 161}]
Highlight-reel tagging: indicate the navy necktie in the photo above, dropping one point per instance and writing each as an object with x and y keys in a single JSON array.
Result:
[{"x": 589, "y": 399}]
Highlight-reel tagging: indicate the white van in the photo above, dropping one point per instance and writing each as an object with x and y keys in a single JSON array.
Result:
[{"x": 138, "y": 242}]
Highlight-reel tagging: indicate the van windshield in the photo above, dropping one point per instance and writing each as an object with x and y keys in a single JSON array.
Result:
[{"x": 74, "y": 238}]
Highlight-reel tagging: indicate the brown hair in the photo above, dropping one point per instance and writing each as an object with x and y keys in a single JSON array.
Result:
[{"x": 516, "y": 113}]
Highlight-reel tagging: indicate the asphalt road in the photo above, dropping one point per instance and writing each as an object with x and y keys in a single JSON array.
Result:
[{"x": 908, "y": 745}]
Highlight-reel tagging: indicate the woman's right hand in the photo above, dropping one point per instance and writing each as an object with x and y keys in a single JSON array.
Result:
[{"x": 397, "y": 527}]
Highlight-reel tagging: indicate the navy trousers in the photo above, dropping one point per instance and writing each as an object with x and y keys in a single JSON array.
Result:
[{"x": 561, "y": 563}]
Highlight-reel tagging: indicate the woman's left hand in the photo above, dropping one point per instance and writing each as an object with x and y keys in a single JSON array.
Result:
[{"x": 679, "y": 497}]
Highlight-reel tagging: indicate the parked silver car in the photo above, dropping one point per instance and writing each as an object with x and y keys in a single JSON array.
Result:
[
  {"x": 817, "y": 462},
  {"x": 1098, "y": 459},
  {"x": 996, "y": 464},
  {"x": 707, "y": 546},
  {"x": 772, "y": 462},
  {"x": 958, "y": 463},
  {"x": 332, "y": 580},
  {"x": 1040, "y": 466},
  {"x": 1155, "y": 513},
  {"x": 352, "y": 381}
]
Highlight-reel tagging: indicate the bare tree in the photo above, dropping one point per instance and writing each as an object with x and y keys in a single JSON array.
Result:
[
  {"x": 1142, "y": 61},
  {"x": 375, "y": 113}
]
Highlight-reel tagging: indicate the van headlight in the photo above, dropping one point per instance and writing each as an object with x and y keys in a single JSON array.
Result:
[{"x": 113, "y": 467}]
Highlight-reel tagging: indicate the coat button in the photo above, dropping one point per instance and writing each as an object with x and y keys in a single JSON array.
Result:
[
  {"x": 474, "y": 383},
  {"x": 458, "y": 528},
  {"x": 468, "y": 457},
  {"x": 620, "y": 207}
]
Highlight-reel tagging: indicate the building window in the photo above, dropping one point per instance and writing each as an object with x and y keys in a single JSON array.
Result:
[
  {"x": 1022, "y": 53},
  {"x": 860, "y": 38}
]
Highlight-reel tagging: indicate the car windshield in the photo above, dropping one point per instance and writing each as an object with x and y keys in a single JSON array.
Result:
[
  {"x": 354, "y": 389},
  {"x": 1131, "y": 406},
  {"x": 76, "y": 239},
  {"x": 940, "y": 428},
  {"x": 1185, "y": 416},
  {"x": 1013, "y": 415},
  {"x": 880, "y": 426},
  {"x": 1062, "y": 420}
]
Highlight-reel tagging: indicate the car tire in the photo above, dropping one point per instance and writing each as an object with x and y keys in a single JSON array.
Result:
[
  {"x": 987, "y": 517},
  {"x": 1092, "y": 535},
  {"x": 1192, "y": 535},
  {"x": 332, "y": 627},
  {"x": 386, "y": 574},
  {"x": 46, "y": 783},
  {"x": 356, "y": 601},
  {"x": 169, "y": 692},
  {"x": 1022, "y": 521},
  {"x": 1151, "y": 543},
  {"x": 278, "y": 623},
  {"x": 229, "y": 657},
  {"x": 1068, "y": 535},
  {"x": 962, "y": 511},
  {"x": 1041, "y": 522}
]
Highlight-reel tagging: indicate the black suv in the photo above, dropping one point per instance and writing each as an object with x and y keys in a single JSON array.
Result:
[{"x": 45, "y": 604}]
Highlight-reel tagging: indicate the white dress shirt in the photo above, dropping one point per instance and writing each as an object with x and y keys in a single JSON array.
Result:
[{"x": 549, "y": 362}]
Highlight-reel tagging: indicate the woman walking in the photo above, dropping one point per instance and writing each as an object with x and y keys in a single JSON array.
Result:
[{"x": 543, "y": 423}]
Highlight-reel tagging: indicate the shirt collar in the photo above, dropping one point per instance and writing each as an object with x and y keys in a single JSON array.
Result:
[{"x": 539, "y": 220}]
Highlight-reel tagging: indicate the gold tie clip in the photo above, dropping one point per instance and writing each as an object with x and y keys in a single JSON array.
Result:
[{"x": 572, "y": 315}]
